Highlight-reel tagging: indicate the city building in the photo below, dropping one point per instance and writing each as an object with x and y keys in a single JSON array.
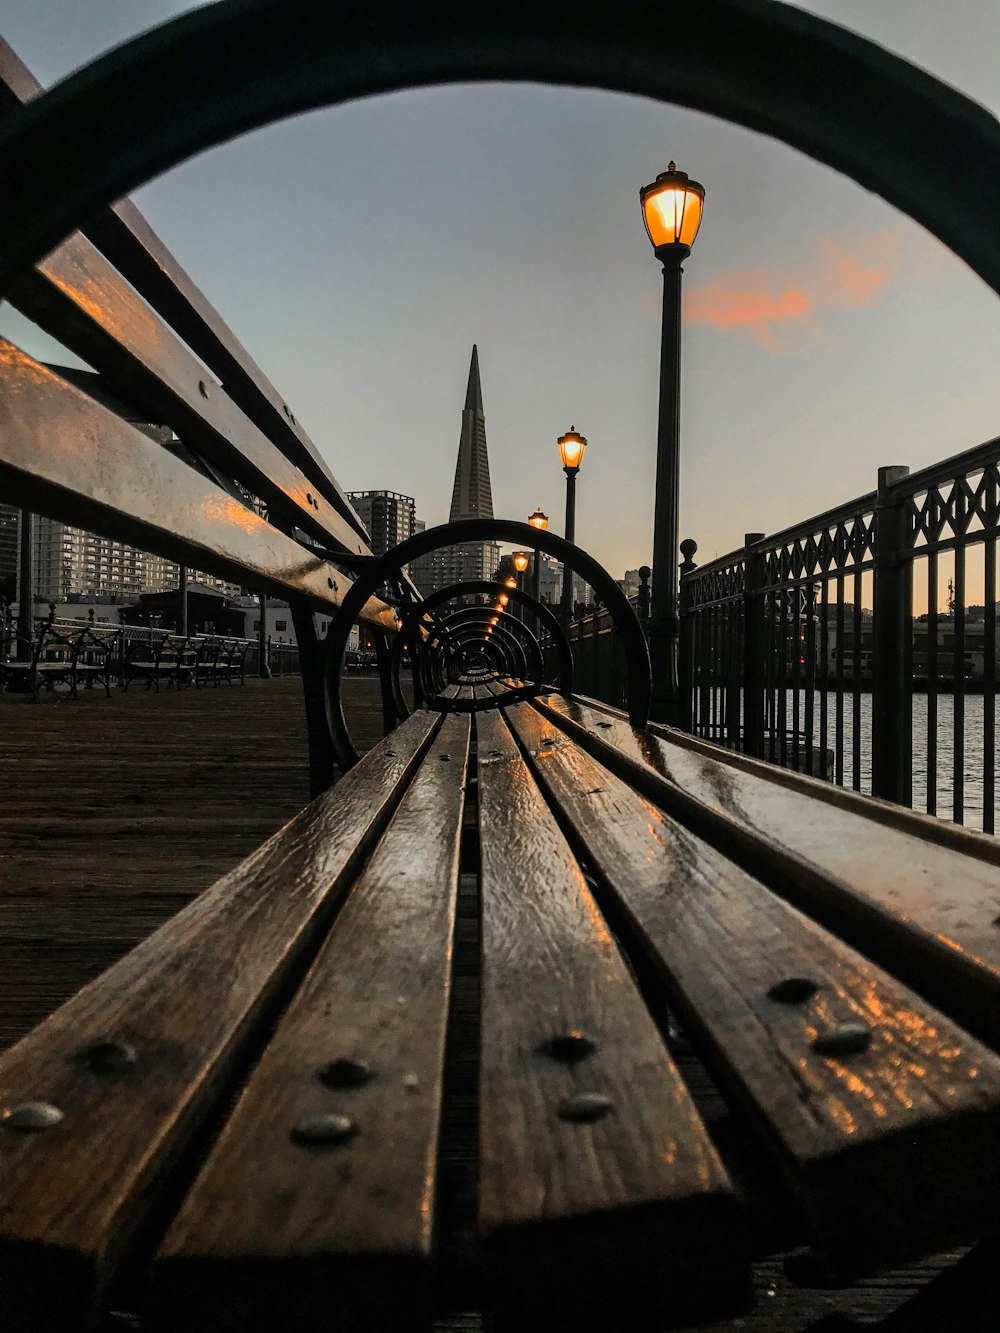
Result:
[
  {"x": 389, "y": 517},
  {"x": 471, "y": 497},
  {"x": 10, "y": 527}
]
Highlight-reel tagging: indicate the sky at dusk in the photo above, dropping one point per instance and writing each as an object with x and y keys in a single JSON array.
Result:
[{"x": 359, "y": 253}]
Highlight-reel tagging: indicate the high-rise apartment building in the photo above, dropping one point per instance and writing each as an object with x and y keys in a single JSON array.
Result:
[
  {"x": 389, "y": 517},
  {"x": 10, "y": 527}
]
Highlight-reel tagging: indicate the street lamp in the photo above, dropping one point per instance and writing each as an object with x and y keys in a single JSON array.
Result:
[
  {"x": 571, "y": 450},
  {"x": 541, "y": 522},
  {"x": 520, "y": 562},
  {"x": 671, "y": 209}
]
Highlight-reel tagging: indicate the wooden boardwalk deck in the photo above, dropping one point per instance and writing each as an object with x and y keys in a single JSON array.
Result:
[{"x": 115, "y": 812}]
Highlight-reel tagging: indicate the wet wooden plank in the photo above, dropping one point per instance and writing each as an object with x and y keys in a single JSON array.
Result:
[
  {"x": 919, "y": 896},
  {"x": 624, "y": 1217},
  {"x": 124, "y": 236},
  {"x": 78, "y": 297},
  {"x": 186, "y": 1004},
  {"x": 881, "y": 1113},
  {"x": 292, "y": 1234},
  {"x": 72, "y": 458}
]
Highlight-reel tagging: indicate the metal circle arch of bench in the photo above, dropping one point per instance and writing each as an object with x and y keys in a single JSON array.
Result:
[
  {"x": 562, "y": 677},
  {"x": 372, "y": 575},
  {"x": 769, "y": 67}
]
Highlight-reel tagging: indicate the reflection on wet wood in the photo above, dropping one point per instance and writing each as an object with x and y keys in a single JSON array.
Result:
[
  {"x": 919, "y": 896},
  {"x": 847, "y": 1076},
  {"x": 326, "y": 1172},
  {"x": 599, "y": 1190}
]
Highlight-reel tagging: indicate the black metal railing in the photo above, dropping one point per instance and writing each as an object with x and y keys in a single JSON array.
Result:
[{"x": 861, "y": 644}]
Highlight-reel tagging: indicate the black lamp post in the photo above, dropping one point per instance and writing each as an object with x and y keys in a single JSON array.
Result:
[
  {"x": 571, "y": 450},
  {"x": 671, "y": 209}
]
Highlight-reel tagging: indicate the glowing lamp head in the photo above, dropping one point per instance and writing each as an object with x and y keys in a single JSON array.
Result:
[
  {"x": 671, "y": 209},
  {"x": 510, "y": 583},
  {"x": 503, "y": 599},
  {"x": 571, "y": 449},
  {"x": 539, "y": 520},
  {"x": 520, "y": 559},
  {"x": 495, "y": 620}
]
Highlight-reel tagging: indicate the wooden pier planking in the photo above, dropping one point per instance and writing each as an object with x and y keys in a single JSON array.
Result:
[{"x": 103, "y": 838}]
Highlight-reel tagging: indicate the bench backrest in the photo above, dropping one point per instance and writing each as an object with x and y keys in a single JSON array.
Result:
[{"x": 241, "y": 492}]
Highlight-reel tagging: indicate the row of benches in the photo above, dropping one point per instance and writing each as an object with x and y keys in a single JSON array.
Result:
[
  {"x": 89, "y": 655},
  {"x": 189, "y": 659}
]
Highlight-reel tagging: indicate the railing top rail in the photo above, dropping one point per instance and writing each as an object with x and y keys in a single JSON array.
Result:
[{"x": 949, "y": 469}]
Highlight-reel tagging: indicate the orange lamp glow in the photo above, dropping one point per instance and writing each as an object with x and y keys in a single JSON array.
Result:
[
  {"x": 521, "y": 560},
  {"x": 671, "y": 209},
  {"x": 571, "y": 449},
  {"x": 503, "y": 599},
  {"x": 510, "y": 583},
  {"x": 495, "y": 620},
  {"x": 539, "y": 520}
]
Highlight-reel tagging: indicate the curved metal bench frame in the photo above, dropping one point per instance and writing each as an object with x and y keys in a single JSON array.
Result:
[
  {"x": 472, "y": 587},
  {"x": 821, "y": 89},
  {"x": 373, "y": 574}
]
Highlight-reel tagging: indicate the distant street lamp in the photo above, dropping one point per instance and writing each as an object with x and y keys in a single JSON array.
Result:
[
  {"x": 671, "y": 208},
  {"x": 520, "y": 561},
  {"x": 572, "y": 447},
  {"x": 541, "y": 522}
]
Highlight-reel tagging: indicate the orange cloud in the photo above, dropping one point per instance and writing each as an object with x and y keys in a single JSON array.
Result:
[
  {"x": 761, "y": 302},
  {"x": 737, "y": 300}
]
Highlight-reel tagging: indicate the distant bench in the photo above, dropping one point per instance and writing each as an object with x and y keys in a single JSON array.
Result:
[
  {"x": 187, "y": 659},
  {"x": 60, "y": 655}
]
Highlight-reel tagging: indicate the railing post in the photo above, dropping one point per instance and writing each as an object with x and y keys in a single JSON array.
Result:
[
  {"x": 685, "y": 652},
  {"x": 642, "y": 599},
  {"x": 892, "y": 683},
  {"x": 753, "y": 646},
  {"x": 263, "y": 666}
]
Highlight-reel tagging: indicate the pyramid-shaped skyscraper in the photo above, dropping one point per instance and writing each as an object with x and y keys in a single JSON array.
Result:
[{"x": 471, "y": 497}]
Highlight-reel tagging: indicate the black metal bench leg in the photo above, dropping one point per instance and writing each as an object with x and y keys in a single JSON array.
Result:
[
  {"x": 392, "y": 712},
  {"x": 312, "y": 662}
]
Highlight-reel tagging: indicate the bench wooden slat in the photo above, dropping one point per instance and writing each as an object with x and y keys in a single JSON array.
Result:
[
  {"x": 72, "y": 458},
  {"x": 124, "y": 236},
  {"x": 847, "y": 1129},
  {"x": 283, "y": 1234},
  {"x": 584, "y": 1221},
  {"x": 77, "y": 295},
  {"x": 919, "y": 896},
  {"x": 187, "y": 1003}
]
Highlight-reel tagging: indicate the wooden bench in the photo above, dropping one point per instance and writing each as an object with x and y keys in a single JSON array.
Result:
[
  {"x": 60, "y": 655},
  {"x": 534, "y": 1012},
  {"x": 630, "y": 886},
  {"x": 169, "y": 658}
]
